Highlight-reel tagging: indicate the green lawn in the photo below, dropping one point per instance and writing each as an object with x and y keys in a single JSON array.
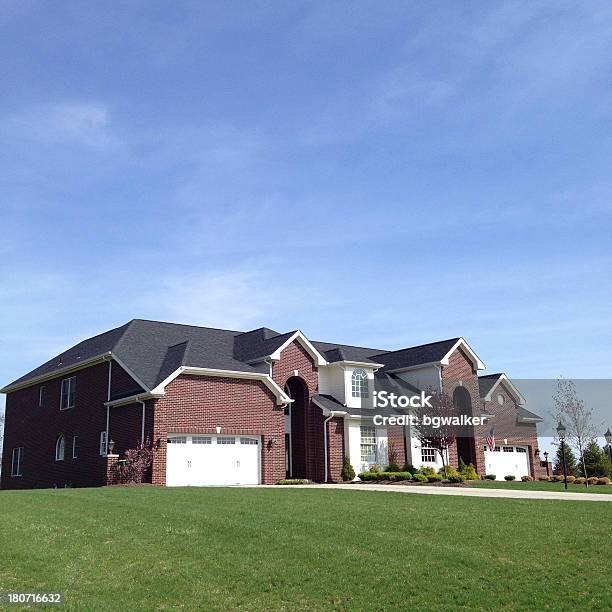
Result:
[
  {"x": 540, "y": 486},
  {"x": 154, "y": 548}
]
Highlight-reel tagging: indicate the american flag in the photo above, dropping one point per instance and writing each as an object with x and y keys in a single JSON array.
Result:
[{"x": 491, "y": 440}]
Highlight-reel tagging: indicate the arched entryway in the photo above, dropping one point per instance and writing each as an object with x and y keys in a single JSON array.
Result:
[
  {"x": 295, "y": 428},
  {"x": 466, "y": 449}
]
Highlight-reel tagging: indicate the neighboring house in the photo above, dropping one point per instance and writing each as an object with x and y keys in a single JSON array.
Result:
[{"x": 228, "y": 407}]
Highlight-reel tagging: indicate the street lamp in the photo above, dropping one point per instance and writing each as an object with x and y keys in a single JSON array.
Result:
[
  {"x": 608, "y": 437},
  {"x": 561, "y": 429},
  {"x": 546, "y": 461}
]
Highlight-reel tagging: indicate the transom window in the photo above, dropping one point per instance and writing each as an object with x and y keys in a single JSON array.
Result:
[
  {"x": 248, "y": 441},
  {"x": 201, "y": 440},
  {"x": 508, "y": 449},
  {"x": 226, "y": 440},
  {"x": 368, "y": 444},
  {"x": 520, "y": 449},
  {"x": 177, "y": 440},
  {"x": 17, "y": 463},
  {"x": 428, "y": 455},
  {"x": 60, "y": 448},
  {"x": 68, "y": 393},
  {"x": 359, "y": 383}
]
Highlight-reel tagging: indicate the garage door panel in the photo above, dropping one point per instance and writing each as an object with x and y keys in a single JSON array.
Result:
[
  {"x": 508, "y": 460},
  {"x": 213, "y": 460}
]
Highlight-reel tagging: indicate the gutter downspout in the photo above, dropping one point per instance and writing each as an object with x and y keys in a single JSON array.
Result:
[
  {"x": 142, "y": 429},
  {"x": 108, "y": 397}
]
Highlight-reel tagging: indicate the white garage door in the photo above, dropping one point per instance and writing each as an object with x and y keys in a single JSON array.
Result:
[
  {"x": 197, "y": 460},
  {"x": 507, "y": 460}
]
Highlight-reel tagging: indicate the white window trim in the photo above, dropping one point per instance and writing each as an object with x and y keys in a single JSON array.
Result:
[
  {"x": 17, "y": 464},
  {"x": 360, "y": 386},
  {"x": 430, "y": 457},
  {"x": 71, "y": 382},
  {"x": 366, "y": 459},
  {"x": 103, "y": 444},
  {"x": 60, "y": 443}
]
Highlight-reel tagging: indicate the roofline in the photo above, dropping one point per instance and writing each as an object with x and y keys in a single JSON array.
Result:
[
  {"x": 281, "y": 397},
  {"x": 348, "y": 362},
  {"x": 132, "y": 399},
  {"x": 108, "y": 355},
  {"x": 504, "y": 378},
  {"x": 327, "y": 411},
  {"x": 303, "y": 340},
  {"x": 428, "y": 364},
  {"x": 461, "y": 342}
]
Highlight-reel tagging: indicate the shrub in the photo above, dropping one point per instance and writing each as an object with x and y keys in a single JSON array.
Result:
[
  {"x": 293, "y": 481},
  {"x": 603, "y": 481},
  {"x": 419, "y": 477},
  {"x": 456, "y": 478},
  {"x": 579, "y": 480},
  {"x": 571, "y": 478},
  {"x": 375, "y": 468},
  {"x": 450, "y": 471},
  {"x": 367, "y": 476},
  {"x": 348, "y": 473},
  {"x": 408, "y": 467},
  {"x": 392, "y": 467},
  {"x": 403, "y": 476},
  {"x": 557, "y": 478},
  {"x": 434, "y": 478},
  {"x": 544, "y": 478},
  {"x": 427, "y": 471},
  {"x": 593, "y": 480},
  {"x": 388, "y": 476},
  {"x": 137, "y": 461},
  {"x": 490, "y": 476},
  {"x": 527, "y": 478},
  {"x": 510, "y": 477},
  {"x": 469, "y": 472}
]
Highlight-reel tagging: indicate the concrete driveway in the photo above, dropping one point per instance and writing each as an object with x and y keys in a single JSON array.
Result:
[{"x": 461, "y": 491}]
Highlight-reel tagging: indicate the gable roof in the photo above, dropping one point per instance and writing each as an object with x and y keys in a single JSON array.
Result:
[
  {"x": 152, "y": 350},
  {"x": 489, "y": 382}
]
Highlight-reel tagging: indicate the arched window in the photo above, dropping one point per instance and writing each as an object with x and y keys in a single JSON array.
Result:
[
  {"x": 359, "y": 383},
  {"x": 500, "y": 399},
  {"x": 60, "y": 448}
]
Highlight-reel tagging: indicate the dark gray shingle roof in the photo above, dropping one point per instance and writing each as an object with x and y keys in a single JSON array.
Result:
[
  {"x": 487, "y": 382},
  {"x": 415, "y": 355}
]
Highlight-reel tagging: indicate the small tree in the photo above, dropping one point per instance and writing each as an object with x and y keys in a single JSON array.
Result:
[
  {"x": 136, "y": 463},
  {"x": 570, "y": 461},
  {"x": 570, "y": 410},
  {"x": 439, "y": 438},
  {"x": 348, "y": 473},
  {"x": 393, "y": 455},
  {"x": 596, "y": 460}
]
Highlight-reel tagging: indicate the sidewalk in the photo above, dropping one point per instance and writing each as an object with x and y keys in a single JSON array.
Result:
[{"x": 461, "y": 491}]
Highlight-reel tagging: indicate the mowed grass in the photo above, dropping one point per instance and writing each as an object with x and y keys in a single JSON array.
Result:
[
  {"x": 253, "y": 549},
  {"x": 540, "y": 486}
]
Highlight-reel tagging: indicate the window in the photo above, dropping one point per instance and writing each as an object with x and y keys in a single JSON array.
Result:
[
  {"x": 248, "y": 441},
  {"x": 41, "y": 396},
  {"x": 508, "y": 449},
  {"x": 428, "y": 455},
  {"x": 68, "y": 393},
  {"x": 226, "y": 440},
  {"x": 17, "y": 463},
  {"x": 496, "y": 449},
  {"x": 177, "y": 440},
  {"x": 520, "y": 449},
  {"x": 60, "y": 448},
  {"x": 103, "y": 441},
  {"x": 500, "y": 399},
  {"x": 201, "y": 440},
  {"x": 368, "y": 444},
  {"x": 359, "y": 383},
  {"x": 75, "y": 447}
]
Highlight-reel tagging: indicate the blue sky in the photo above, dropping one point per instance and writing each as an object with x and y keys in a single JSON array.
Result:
[{"x": 383, "y": 174}]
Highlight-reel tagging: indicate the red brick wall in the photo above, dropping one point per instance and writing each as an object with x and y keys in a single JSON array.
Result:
[
  {"x": 506, "y": 427},
  {"x": 200, "y": 404},
  {"x": 295, "y": 357},
  {"x": 37, "y": 428},
  {"x": 396, "y": 440},
  {"x": 460, "y": 372},
  {"x": 335, "y": 449}
]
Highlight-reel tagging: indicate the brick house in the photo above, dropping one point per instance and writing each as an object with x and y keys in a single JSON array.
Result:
[{"x": 228, "y": 407}]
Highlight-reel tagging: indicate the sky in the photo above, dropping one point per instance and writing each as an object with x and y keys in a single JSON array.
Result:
[{"x": 378, "y": 174}]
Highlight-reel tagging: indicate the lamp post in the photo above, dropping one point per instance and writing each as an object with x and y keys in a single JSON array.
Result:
[
  {"x": 608, "y": 437},
  {"x": 546, "y": 461},
  {"x": 561, "y": 433}
]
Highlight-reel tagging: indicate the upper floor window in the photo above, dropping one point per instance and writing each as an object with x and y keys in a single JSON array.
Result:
[
  {"x": 359, "y": 383},
  {"x": 500, "y": 399},
  {"x": 60, "y": 448},
  {"x": 68, "y": 393},
  {"x": 41, "y": 396},
  {"x": 17, "y": 463},
  {"x": 75, "y": 447}
]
